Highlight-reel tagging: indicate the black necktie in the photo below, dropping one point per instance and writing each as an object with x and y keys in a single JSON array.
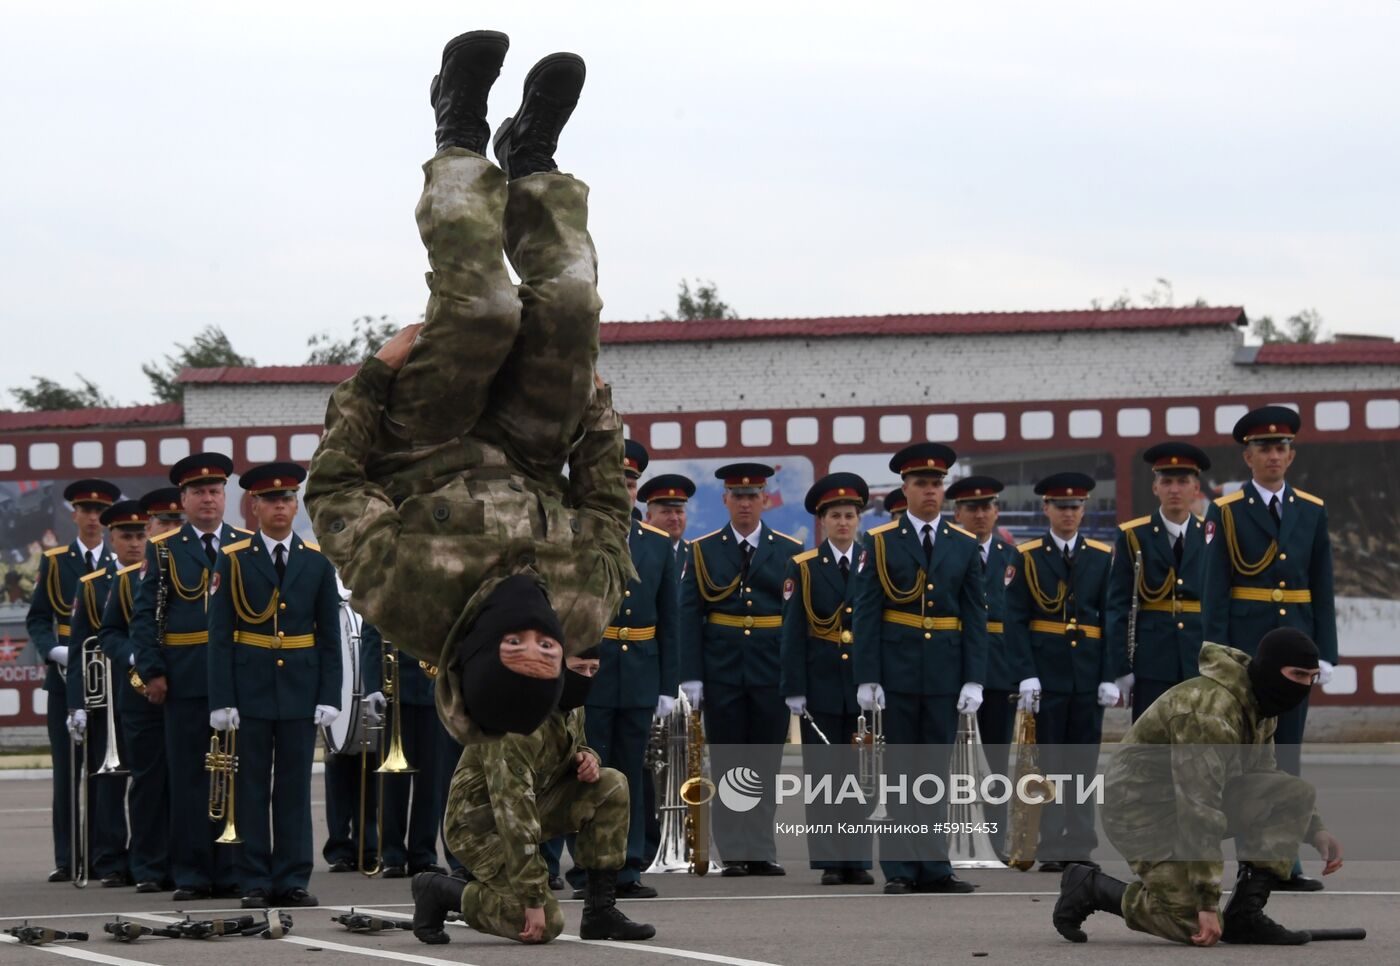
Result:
[
  {"x": 208, "y": 539},
  {"x": 748, "y": 555},
  {"x": 984, "y": 559},
  {"x": 845, "y": 570},
  {"x": 91, "y": 565},
  {"x": 280, "y": 562},
  {"x": 1178, "y": 546},
  {"x": 928, "y": 543},
  {"x": 1273, "y": 510},
  {"x": 1069, "y": 556}
]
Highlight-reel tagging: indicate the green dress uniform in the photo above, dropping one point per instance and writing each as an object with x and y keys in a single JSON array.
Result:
[
  {"x": 730, "y": 633},
  {"x": 48, "y": 624},
  {"x": 274, "y": 655},
  {"x": 921, "y": 635},
  {"x": 142, "y": 726},
  {"x": 509, "y": 796},
  {"x": 183, "y": 561}
]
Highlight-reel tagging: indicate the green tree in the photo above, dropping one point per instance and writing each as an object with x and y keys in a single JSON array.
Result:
[
  {"x": 702, "y": 303},
  {"x": 368, "y": 334},
  {"x": 210, "y": 349},
  {"x": 45, "y": 395},
  {"x": 1160, "y": 296},
  {"x": 1304, "y": 326}
]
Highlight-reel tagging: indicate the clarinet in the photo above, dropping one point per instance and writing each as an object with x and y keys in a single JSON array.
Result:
[
  {"x": 1133, "y": 610},
  {"x": 162, "y": 610}
]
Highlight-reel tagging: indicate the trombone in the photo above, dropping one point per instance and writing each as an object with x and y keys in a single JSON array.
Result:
[
  {"x": 222, "y": 764},
  {"x": 97, "y": 697},
  {"x": 392, "y": 762}
]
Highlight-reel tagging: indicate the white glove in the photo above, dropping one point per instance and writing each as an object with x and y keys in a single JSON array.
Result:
[
  {"x": 77, "y": 724},
  {"x": 223, "y": 719},
  {"x": 325, "y": 714},
  {"x": 1108, "y": 694},
  {"x": 1125, "y": 687},
  {"x": 375, "y": 703},
  {"x": 131, "y": 660},
  {"x": 1030, "y": 698},
  {"x": 868, "y": 696},
  {"x": 665, "y": 704},
  {"x": 1324, "y": 671},
  {"x": 59, "y": 655},
  {"x": 693, "y": 691},
  {"x": 969, "y": 698},
  {"x": 797, "y": 704}
]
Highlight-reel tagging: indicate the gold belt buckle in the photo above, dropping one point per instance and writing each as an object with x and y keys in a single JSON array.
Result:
[
  {"x": 748, "y": 620},
  {"x": 1176, "y": 607},
  {"x": 846, "y": 637},
  {"x": 623, "y": 633},
  {"x": 1277, "y": 595},
  {"x": 928, "y": 623}
]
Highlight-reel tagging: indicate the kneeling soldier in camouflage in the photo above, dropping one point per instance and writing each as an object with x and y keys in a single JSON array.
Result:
[
  {"x": 509, "y": 796},
  {"x": 1199, "y": 766}
]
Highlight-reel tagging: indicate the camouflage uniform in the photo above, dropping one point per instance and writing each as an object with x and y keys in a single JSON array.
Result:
[
  {"x": 435, "y": 479},
  {"x": 1200, "y": 764},
  {"x": 509, "y": 796}
]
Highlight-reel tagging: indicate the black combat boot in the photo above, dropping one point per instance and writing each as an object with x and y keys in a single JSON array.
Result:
[
  {"x": 1083, "y": 892},
  {"x": 470, "y": 65},
  {"x": 434, "y": 896},
  {"x": 1243, "y": 922},
  {"x": 601, "y": 917},
  {"x": 525, "y": 143}
]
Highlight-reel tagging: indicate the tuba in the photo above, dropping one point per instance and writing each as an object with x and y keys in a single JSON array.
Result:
[
  {"x": 1023, "y": 818},
  {"x": 969, "y": 848},
  {"x": 683, "y": 796}
]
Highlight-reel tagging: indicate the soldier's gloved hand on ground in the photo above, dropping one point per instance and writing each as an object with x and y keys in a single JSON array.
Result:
[
  {"x": 1108, "y": 694},
  {"x": 375, "y": 704},
  {"x": 1209, "y": 934},
  {"x": 1030, "y": 695},
  {"x": 797, "y": 704},
  {"x": 224, "y": 719},
  {"x": 969, "y": 698},
  {"x": 1125, "y": 688},
  {"x": 693, "y": 691},
  {"x": 77, "y": 724},
  {"x": 325, "y": 715},
  {"x": 1330, "y": 849},
  {"x": 587, "y": 768},
  {"x": 869, "y": 696},
  {"x": 664, "y": 705}
]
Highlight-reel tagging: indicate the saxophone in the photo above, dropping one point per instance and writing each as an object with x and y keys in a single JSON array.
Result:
[
  {"x": 696, "y": 793},
  {"x": 1023, "y": 819},
  {"x": 162, "y": 608}
]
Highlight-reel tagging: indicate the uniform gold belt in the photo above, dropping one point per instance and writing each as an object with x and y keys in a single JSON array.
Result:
[
  {"x": 274, "y": 643},
  {"x": 1278, "y": 595},
  {"x": 748, "y": 620},
  {"x": 630, "y": 633},
  {"x": 835, "y": 635},
  {"x": 64, "y": 630},
  {"x": 1173, "y": 606},
  {"x": 996, "y": 627},
  {"x": 182, "y": 640},
  {"x": 923, "y": 623},
  {"x": 1054, "y": 627}
]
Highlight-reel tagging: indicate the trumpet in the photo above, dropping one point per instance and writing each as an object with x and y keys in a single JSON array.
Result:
[
  {"x": 222, "y": 764},
  {"x": 869, "y": 740},
  {"x": 97, "y": 696},
  {"x": 392, "y": 762}
]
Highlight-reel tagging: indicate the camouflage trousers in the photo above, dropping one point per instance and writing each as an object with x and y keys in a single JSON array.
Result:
[
  {"x": 597, "y": 811},
  {"x": 510, "y": 365},
  {"x": 1268, "y": 814}
]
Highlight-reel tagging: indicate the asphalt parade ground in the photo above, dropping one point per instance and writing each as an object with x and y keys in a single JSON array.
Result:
[{"x": 759, "y": 921}]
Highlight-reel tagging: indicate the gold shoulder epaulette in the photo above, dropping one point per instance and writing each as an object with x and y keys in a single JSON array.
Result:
[
  {"x": 786, "y": 536},
  {"x": 1030, "y": 544},
  {"x": 1309, "y": 497},
  {"x": 954, "y": 526},
  {"x": 647, "y": 526},
  {"x": 127, "y": 570},
  {"x": 92, "y": 576},
  {"x": 240, "y": 545},
  {"x": 240, "y": 530},
  {"x": 1098, "y": 545},
  {"x": 706, "y": 536},
  {"x": 55, "y": 551},
  {"x": 1230, "y": 498},
  {"x": 1125, "y": 527},
  {"x": 311, "y": 546},
  {"x": 805, "y": 556},
  {"x": 164, "y": 536},
  {"x": 883, "y": 527}
]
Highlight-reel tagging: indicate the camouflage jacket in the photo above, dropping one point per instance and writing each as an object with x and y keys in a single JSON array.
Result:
[
  {"x": 417, "y": 536},
  {"x": 1165, "y": 789},
  {"x": 493, "y": 823}
]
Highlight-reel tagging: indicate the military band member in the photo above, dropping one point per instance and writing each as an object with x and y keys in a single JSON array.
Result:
[
  {"x": 895, "y": 504},
  {"x": 920, "y": 648},
  {"x": 1271, "y": 566},
  {"x": 731, "y": 632},
  {"x": 274, "y": 677},
  {"x": 638, "y": 674},
  {"x": 142, "y": 724},
  {"x": 49, "y": 625},
  {"x": 976, "y": 509},
  {"x": 1173, "y": 575},
  {"x": 1054, "y": 627},
  {"x": 413, "y": 803},
  {"x": 175, "y": 670},
  {"x": 818, "y": 683},
  {"x": 106, "y": 805}
]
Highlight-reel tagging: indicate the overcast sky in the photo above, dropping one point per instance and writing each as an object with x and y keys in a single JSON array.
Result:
[{"x": 164, "y": 167}]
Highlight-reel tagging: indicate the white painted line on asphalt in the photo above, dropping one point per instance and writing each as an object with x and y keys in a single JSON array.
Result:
[
  {"x": 645, "y": 946},
  {"x": 77, "y": 952}
]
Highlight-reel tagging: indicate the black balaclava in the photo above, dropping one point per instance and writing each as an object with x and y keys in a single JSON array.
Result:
[
  {"x": 1280, "y": 648},
  {"x": 576, "y": 686},
  {"x": 497, "y": 698}
]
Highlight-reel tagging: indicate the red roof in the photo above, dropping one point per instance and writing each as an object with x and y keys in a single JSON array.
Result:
[
  {"x": 156, "y": 415},
  {"x": 330, "y": 375},
  {"x": 1361, "y": 353}
]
